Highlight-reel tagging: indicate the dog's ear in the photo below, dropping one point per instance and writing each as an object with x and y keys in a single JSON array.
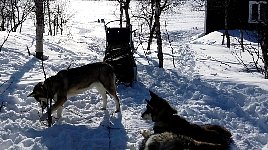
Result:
[
  {"x": 173, "y": 111},
  {"x": 163, "y": 103},
  {"x": 152, "y": 94},
  {"x": 148, "y": 103},
  {"x": 169, "y": 108},
  {"x": 37, "y": 87}
]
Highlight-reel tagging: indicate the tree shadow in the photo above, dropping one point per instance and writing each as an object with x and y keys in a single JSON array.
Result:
[
  {"x": 110, "y": 134},
  {"x": 11, "y": 85}
]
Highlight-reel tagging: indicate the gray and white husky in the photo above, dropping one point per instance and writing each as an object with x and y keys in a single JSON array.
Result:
[{"x": 73, "y": 81}]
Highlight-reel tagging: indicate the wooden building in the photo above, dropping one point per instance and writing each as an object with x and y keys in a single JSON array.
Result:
[{"x": 241, "y": 14}]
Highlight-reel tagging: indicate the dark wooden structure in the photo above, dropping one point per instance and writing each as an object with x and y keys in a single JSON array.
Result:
[
  {"x": 242, "y": 14},
  {"x": 119, "y": 53}
]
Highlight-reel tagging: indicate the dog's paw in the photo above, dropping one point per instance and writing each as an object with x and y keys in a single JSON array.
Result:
[
  {"x": 146, "y": 133},
  {"x": 117, "y": 111},
  {"x": 103, "y": 108},
  {"x": 44, "y": 117}
]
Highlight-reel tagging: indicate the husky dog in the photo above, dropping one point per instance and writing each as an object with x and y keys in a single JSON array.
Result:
[
  {"x": 172, "y": 141},
  {"x": 73, "y": 81},
  {"x": 165, "y": 119}
]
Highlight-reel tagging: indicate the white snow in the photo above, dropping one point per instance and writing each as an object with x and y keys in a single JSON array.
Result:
[{"x": 207, "y": 85}]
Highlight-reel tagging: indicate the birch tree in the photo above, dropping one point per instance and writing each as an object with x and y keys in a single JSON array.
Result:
[
  {"x": 39, "y": 28},
  {"x": 158, "y": 32}
]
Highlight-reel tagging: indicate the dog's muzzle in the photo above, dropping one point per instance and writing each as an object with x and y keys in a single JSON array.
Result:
[
  {"x": 43, "y": 103},
  {"x": 146, "y": 116}
]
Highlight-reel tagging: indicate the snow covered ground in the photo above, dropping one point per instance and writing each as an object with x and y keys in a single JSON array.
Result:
[{"x": 207, "y": 85}]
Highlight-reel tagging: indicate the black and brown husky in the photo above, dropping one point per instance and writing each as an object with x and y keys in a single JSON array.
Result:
[{"x": 175, "y": 131}]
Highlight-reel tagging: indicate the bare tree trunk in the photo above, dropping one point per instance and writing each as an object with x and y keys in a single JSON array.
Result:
[
  {"x": 54, "y": 25},
  {"x": 13, "y": 17},
  {"x": 128, "y": 25},
  {"x": 61, "y": 26},
  {"x": 2, "y": 22},
  {"x": 49, "y": 19},
  {"x": 39, "y": 28},
  {"x": 150, "y": 40},
  {"x": 58, "y": 19},
  {"x": 22, "y": 16},
  {"x": 264, "y": 47},
  {"x": 264, "y": 42},
  {"x": 226, "y": 33},
  {"x": 19, "y": 22},
  {"x": 158, "y": 33},
  {"x": 3, "y": 16},
  {"x": 242, "y": 40},
  {"x": 126, "y": 7},
  {"x": 151, "y": 26}
]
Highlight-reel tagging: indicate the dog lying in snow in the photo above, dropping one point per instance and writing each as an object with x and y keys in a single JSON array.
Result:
[
  {"x": 176, "y": 132},
  {"x": 73, "y": 81},
  {"x": 172, "y": 141}
]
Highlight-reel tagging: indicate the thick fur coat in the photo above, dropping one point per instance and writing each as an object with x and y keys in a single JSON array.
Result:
[
  {"x": 165, "y": 119},
  {"x": 74, "y": 81}
]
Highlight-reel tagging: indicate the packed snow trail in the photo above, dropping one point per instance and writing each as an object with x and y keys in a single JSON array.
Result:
[{"x": 208, "y": 96}]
